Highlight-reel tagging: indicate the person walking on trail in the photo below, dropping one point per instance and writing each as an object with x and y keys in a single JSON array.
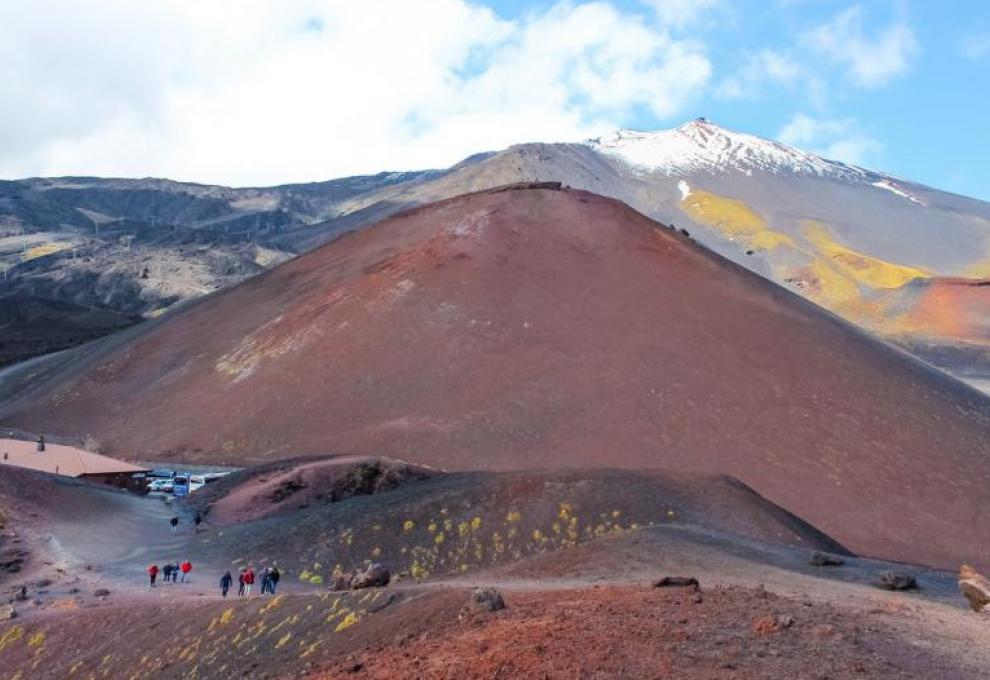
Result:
[
  {"x": 175, "y": 571},
  {"x": 240, "y": 583},
  {"x": 273, "y": 578},
  {"x": 153, "y": 574},
  {"x": 175, "y": 523},
  {"x": 248, "y": 581},
  {"x": 225, "y": 582},
  {"x": 264, "y": 580},
  {"x": 186, "y": 567},
  {"x": 197, "y": 521},
  {"x": 167, "y": 572}
]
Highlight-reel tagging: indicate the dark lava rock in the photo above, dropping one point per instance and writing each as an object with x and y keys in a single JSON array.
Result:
[
  {"x": 375, "y": 576},
  {"x": 822, "y": 559},
  {"x": 677, "y": 582},
  {"x": 488, "y": 599},
  {"x": 897, "y": 580},
  {"x": 101, "y": 592}
]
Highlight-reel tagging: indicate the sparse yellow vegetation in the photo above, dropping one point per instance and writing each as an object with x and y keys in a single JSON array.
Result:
[{"x": 347, "y": 622}]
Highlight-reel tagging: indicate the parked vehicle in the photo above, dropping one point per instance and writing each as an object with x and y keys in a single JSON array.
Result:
[
  {"x": 199, "y": 481},
  {"x": 180, "y": 485},
  {"x": 160, "y": 485}
]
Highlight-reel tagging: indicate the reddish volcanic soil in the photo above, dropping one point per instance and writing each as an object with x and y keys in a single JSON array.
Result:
[
  {"x": 577, "y": 606},
  {"x": 637, "y": 632},
  {"x": 536, "y": 328}
]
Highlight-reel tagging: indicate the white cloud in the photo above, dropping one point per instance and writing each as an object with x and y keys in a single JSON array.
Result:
[
  {"x": 976, "y": 46},
  {"x": 764, "y": 67},
  {"x": 284, "y": 90},
  {"x": 871, "y": 60},
  {"x": 835, "y": 139},
  {"x": 681, "y": 13}
]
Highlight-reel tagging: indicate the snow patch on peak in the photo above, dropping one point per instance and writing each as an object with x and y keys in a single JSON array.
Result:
[
  {"x": 684, "y": 188},
  {"x": 701, "y": 146},
  {"x": 892, "y": 187}
]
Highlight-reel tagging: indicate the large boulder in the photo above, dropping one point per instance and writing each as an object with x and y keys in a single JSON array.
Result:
[
  {"x": 897, "y": 580},
  {"x": 488, "y": 600},
  {"x": 975, "y": 587},
  {"x": 375, "y": 576}
]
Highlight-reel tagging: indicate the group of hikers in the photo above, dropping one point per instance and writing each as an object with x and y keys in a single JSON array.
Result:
[
  {"x": 245, "y": 581},
  {"x": 197, "y": 520},
  {"x": 170, "y": 572}
]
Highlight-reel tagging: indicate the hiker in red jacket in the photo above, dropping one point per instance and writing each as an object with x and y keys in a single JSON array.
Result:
[
  {"x": 153, "y": 574},
  {"x": 248, "y": 581},
  {"x": 185, "y": 568}
]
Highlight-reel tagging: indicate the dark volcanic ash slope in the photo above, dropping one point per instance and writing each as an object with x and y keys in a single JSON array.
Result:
[{"x": 540, "y": 328}]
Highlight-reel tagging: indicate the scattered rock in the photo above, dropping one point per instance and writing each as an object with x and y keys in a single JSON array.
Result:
[
  {"x": 696, "y": 598},
  {"x": 375, "y": 576},
  {"x": 341, "y": 582},
  {"x": 488, "y": 599},
  {"x": 677, "y": 582},
  {"x": 772, "y": 623},
  {"x": 7, "y": 612},
  {"x": 823, "y": 559},
  {"x": 897, "y": 580},
  {"x": 101, "y": 592},
  {"x": 975, "y": 587}
]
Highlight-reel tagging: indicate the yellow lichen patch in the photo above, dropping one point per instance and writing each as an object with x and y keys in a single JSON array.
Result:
[
  {"x": 284, "y": 640},
  {"x": 733, "y": 218},
  {"x": 347, "y": 622},
  {"x": 769, "y": 240},
  {"x": 418, "y": 571},
  {"x": 316, "y": 580},
  {"x": 513, "y": 516},
  {"x": 728, "y": 215},
  {"x": 43, "y": 250},
  {"x": 309, "y": 650},
  {"x": 376, "y": 551},
  {"x": 228, "y": 616},
  {"x": 272, "y": 604},
  {"x": 10, "y": 636},
  {"x": 408, "y": 526},
  {"x": 475, "y": 523},
  {"x": 439, "y": 539},
  {"x": 37, "y": 639},
  {"x": 271, "y": 341},
  {"x": 859, "y": 267}
]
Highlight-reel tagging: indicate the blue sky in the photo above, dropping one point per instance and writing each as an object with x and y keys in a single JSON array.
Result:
[
  {"x": 928, "y": 121},
  {"x": 275, "y": 91}
]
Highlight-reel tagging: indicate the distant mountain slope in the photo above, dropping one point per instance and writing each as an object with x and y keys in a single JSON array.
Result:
[
  {"x": 535, "y": 328},
  {"x": 881, "y": 251}
]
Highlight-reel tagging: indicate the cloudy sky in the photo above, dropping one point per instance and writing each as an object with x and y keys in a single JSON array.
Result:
[{"x": 251, "y": 92}]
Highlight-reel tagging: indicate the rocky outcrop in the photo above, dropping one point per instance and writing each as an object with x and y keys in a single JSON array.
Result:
[
  {"x": 975, "y": 587},
  {"x": 823, "y": 559}
]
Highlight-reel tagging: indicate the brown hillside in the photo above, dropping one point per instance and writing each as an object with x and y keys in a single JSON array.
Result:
[{"x": 543, "y": 329}]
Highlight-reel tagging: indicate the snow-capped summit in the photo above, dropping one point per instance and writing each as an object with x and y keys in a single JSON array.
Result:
[{"x": 701, "y": 146}]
